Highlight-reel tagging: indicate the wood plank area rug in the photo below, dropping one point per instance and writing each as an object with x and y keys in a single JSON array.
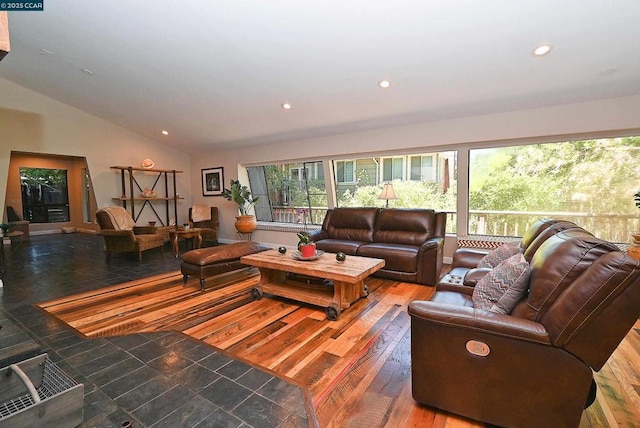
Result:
[{"x": 357, "y": 369}]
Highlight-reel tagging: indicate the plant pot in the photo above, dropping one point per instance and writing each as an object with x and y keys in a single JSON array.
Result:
[
  {"x": 634, "y": 251},
  {"x": 307, "y": 250},
  {"x": 246, "y": 223}
]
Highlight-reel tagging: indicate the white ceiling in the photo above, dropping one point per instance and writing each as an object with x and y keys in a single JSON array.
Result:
[{"x": 214, "y": 73}]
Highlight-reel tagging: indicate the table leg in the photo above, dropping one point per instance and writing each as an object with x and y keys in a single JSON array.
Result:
[{"x": 174, "y": 245}]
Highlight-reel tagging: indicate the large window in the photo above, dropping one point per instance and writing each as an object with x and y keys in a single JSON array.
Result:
[
  {"x": 287, "y": 189},
  {"x": 431, "y": 184},
  {"x": 589, "y": 182},
  {"x": 45, "y": 196}
]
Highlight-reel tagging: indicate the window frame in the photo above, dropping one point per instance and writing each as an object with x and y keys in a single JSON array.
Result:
[{"x": 353, "y": 170}]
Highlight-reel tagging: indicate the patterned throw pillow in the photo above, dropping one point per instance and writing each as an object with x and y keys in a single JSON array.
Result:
[
  {"x": 500, "y": 254},
  {"x": 502, "y": 288}
]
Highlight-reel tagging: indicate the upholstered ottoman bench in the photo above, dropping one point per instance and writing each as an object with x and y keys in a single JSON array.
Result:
[{"x": 205, "y": 262}]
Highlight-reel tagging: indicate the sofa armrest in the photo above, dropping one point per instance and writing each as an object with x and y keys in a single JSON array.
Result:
[
  {"x": 430, "y": 259},
  {"x": 467, "y": 257},
  {"x": 117, "y": 233},
  {"x": 473, "y": 319},
  {"x": 145, "y": 230},
  {"x": 317, "y": 235},
  {"x": 474, "y": 275},
  {"x": 459, "y": 354}
]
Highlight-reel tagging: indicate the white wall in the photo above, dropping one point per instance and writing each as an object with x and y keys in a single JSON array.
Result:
[
  {"x": 30, "y": 122},
  {"x": 619, "y": 116}
]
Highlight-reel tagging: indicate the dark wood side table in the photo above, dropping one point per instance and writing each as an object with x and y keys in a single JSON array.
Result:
[{"x": 193, "y": 234}]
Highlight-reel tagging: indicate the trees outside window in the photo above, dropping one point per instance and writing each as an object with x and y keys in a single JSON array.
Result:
[
  {"x": 286, "y": 189},
  {"x": 590, "y": 182},
  {"x": 45, "y": 195}
]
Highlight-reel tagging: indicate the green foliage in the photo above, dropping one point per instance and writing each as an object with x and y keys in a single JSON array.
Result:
[
  {"x": 593, "y": 176},
  {"x": 362, "y": 177},
  {"x": 56, "y": 178},
  {"x": 411, "y": 194},
  {"x": 241, "y": 195},
  {"x": 304, "y": 238}
]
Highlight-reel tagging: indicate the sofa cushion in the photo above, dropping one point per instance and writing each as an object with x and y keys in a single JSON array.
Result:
[
  {"x": 452, "y": 298},
  {"x": 500, "y": 254},
  {"x": 403, "y": 258},
  {"x": 404, "y": 226},
  {"x": 502, "y": 288},
  {"x": 337, "y": 245},
  {"x": 352, "y": 224}
]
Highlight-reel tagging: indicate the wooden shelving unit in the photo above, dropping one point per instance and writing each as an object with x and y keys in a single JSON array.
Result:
[{"x": 132, "y": 200}]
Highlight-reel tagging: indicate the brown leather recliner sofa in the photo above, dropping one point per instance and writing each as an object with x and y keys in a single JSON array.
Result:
[
  {"x": 410, "y": 241},
  {"x": 532, "y": 367},
  {"x": 464, "y": 270}
]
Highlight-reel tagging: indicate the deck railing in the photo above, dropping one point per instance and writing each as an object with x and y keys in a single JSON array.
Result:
[{"x": 610, "y": 227}]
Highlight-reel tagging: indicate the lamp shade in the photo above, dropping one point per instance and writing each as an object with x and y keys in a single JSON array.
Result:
[{"x": 387, "y": 192}]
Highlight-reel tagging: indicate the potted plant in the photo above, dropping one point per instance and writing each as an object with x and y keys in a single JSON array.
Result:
[
  {"x": 306, "y": 246},
  {"x": 241, "y": 195},
  {"x": 5, "y": 229}
]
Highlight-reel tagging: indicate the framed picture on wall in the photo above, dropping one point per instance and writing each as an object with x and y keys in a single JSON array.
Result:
[{"x": 212, "y": 181}]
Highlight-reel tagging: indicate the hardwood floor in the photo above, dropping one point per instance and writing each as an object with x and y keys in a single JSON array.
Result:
[{"x": 356, "y": 370}]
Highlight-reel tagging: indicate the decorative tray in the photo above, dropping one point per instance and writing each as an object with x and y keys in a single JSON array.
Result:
[{"x": 298, "y": 256}]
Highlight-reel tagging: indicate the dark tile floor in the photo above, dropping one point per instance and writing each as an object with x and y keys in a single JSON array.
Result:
[{"x": 154, "y": 380}]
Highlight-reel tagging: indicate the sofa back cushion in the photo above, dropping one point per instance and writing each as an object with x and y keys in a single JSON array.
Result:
[
  {"x": 351, "y": 224},
  {"x": 559, "y": 261},
  {"x": 119, "y": 218},
  {"x": 532, "y": 241},
  {"x": 404, "y": 226}
]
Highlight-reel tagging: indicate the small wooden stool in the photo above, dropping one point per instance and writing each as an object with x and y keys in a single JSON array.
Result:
[{"x": 210, "y": 261}]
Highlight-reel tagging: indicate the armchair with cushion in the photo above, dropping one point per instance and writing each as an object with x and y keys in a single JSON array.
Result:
[
  {"x": 17, "y": 224},
  {"x": 205, "y": 217},
  {"x": 121, "y": 234},
  {"x": 533, "y": 366}
]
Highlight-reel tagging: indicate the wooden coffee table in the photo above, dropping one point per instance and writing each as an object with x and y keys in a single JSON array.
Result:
[
  {"x": 193, "y": 233},
  {"x": 343, "y": 282}
]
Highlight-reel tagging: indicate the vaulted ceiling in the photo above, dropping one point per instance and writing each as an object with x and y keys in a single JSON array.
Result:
[{"x": 215, "y": 73}]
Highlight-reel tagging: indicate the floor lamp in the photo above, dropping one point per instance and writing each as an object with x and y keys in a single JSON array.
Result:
[{"x": 387, "y": 193}]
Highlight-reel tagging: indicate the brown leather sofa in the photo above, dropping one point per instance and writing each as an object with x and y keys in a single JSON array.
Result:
[
  {"x": 464, "y": 270},
  {"x": 410, "y": 241},
  {"x": 532, "y": 367}
]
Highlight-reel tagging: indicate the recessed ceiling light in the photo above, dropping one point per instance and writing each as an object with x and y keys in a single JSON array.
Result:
[
  {"x": 384, "y": 83},
  {"x": 286, "y": 106},
  {"x": 164, "y": 132},
  {"x": 542, "y": 50}
]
